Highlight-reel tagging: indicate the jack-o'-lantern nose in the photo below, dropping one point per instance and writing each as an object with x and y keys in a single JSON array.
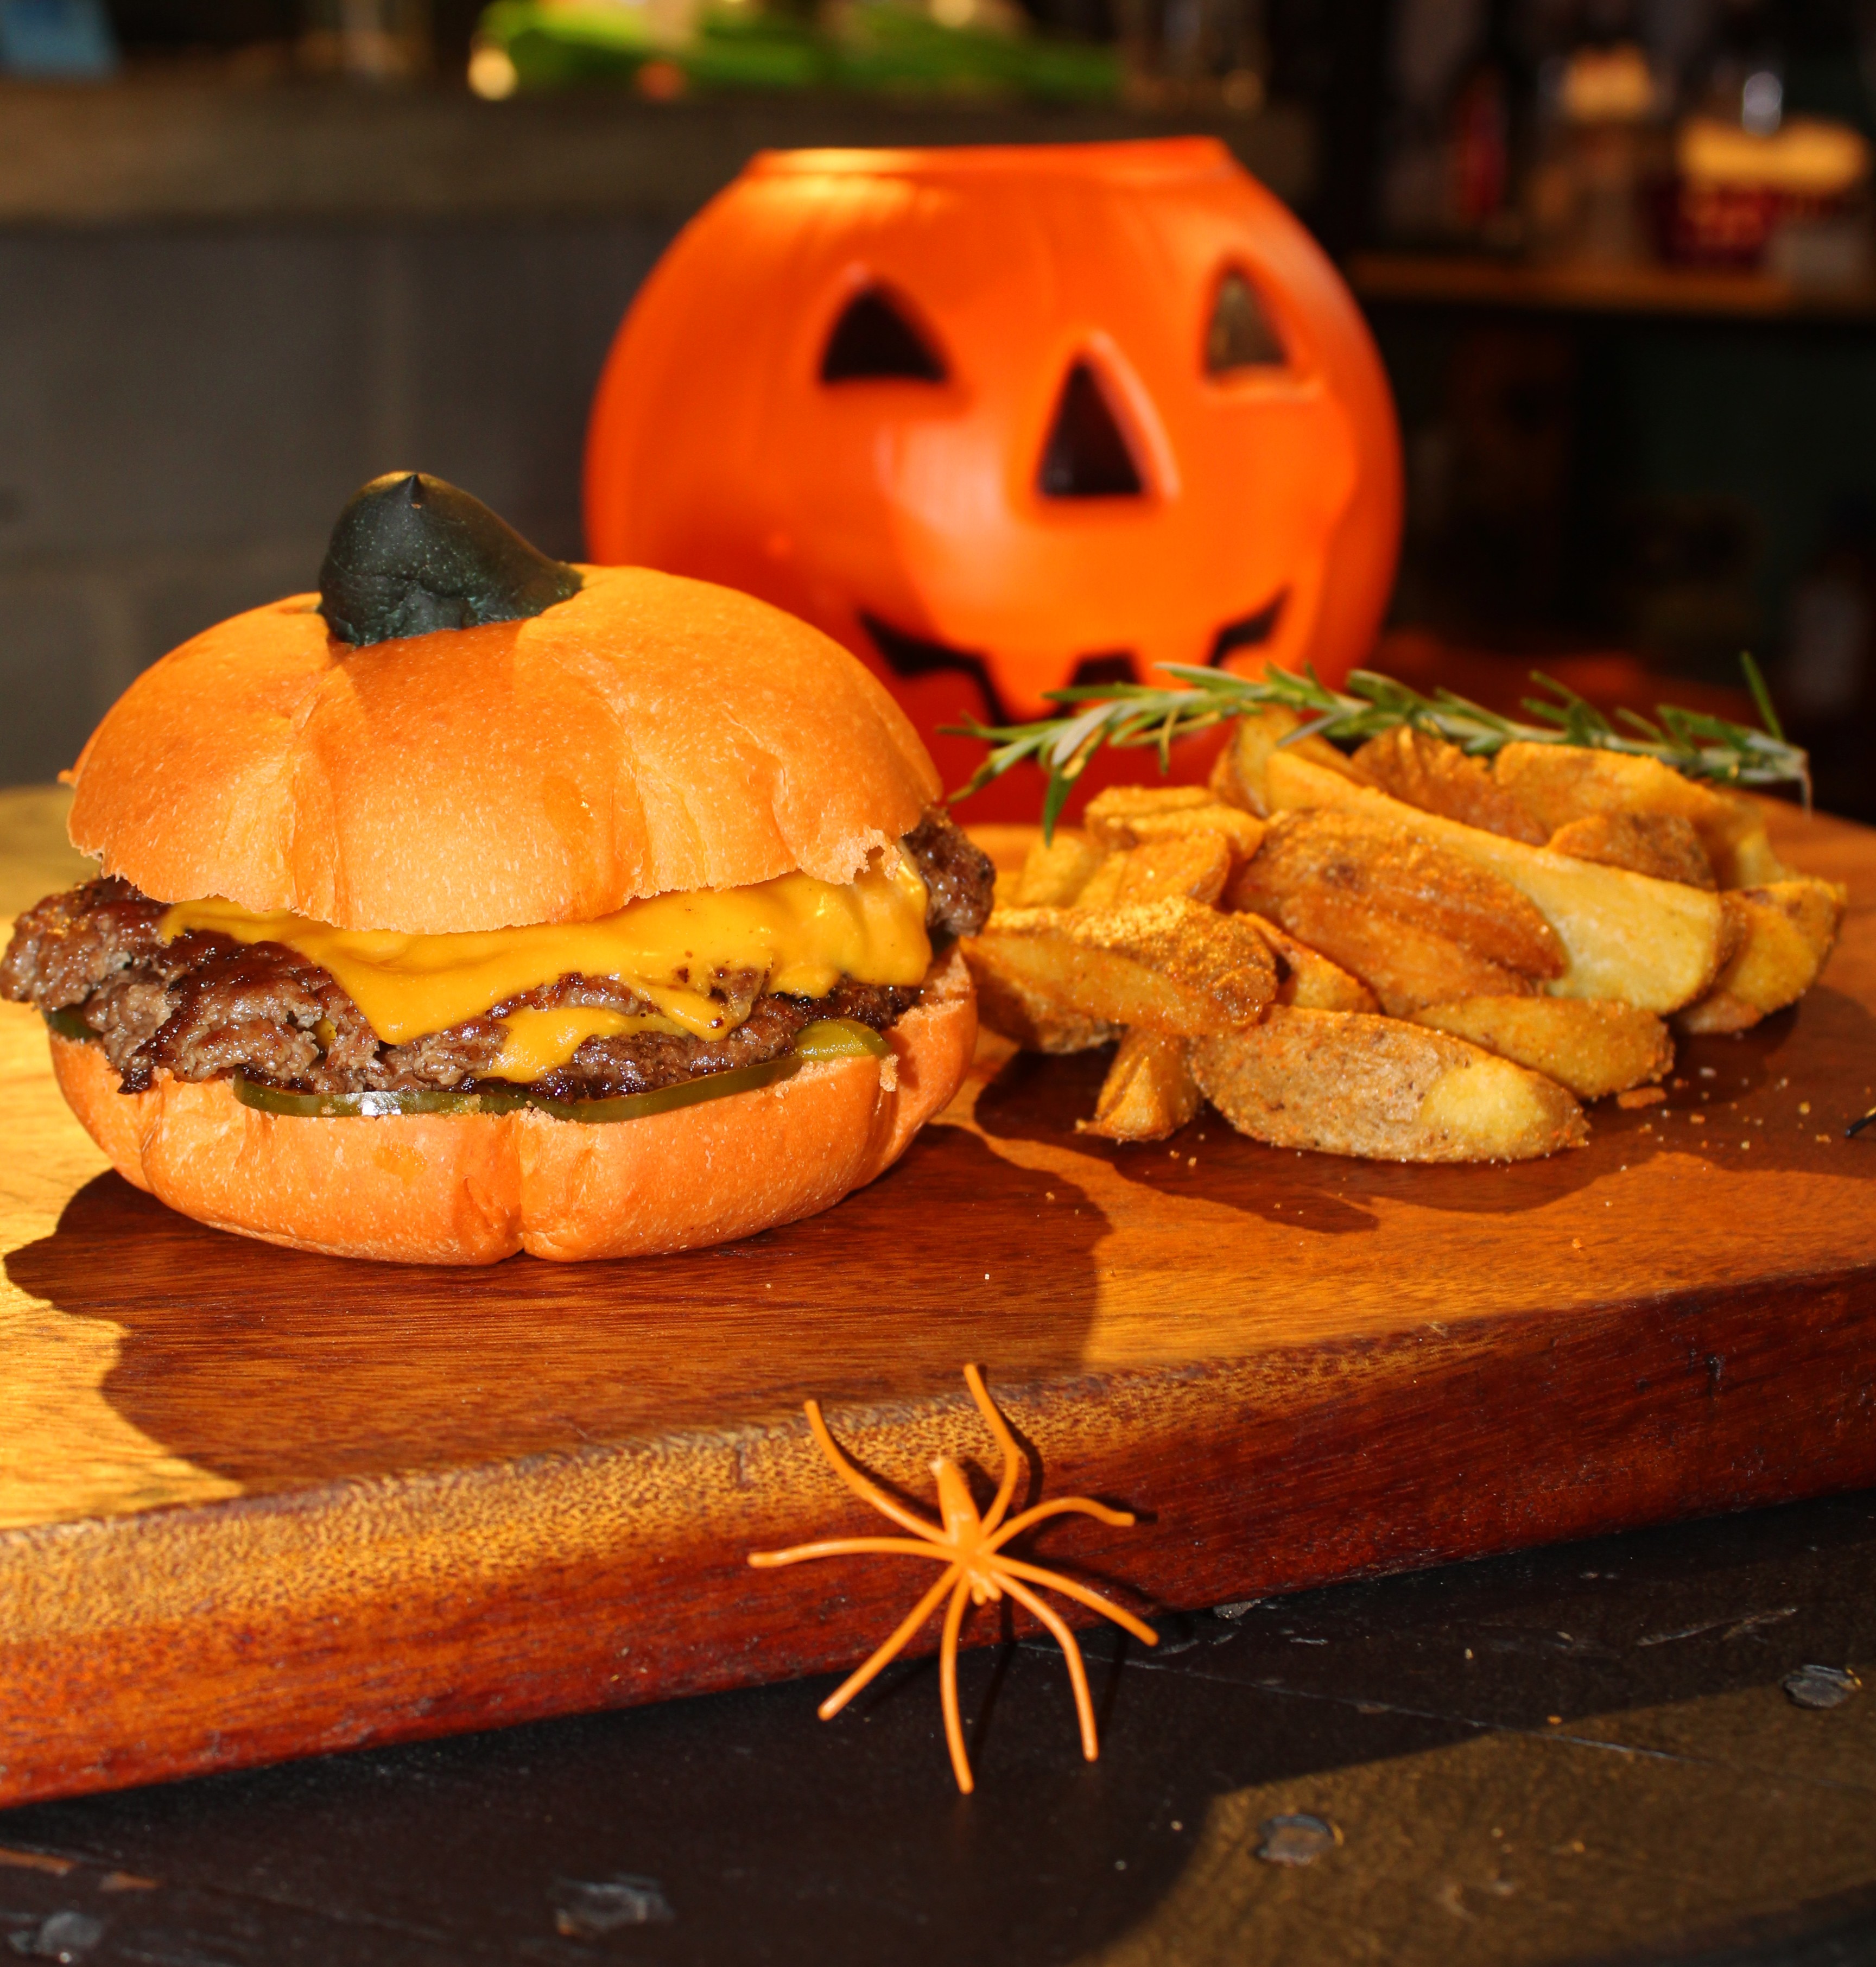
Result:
[{"x": 1086, "y": 456}]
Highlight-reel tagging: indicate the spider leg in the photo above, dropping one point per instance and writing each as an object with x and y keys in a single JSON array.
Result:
[
  {"x": 867, "y": 1492},
  {"x": 947, "y": 1686},
  {"x": 768, "y": 1560},
  {"x": 1000, "y": 1429},
  {"x": 1062, "y": 1505},
  {"x": 884, "y": 1656},
  {"x": 1078, "y": 1673},
  {"x": 1070, "y": 1589}
]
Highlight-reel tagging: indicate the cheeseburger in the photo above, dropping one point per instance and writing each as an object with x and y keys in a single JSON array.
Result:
[{"x": 480, "y": 903}]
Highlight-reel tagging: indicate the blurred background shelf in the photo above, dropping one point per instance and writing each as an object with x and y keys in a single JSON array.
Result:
[
  {"x": 1469, "y": 279},
  {"x": 198, "y": 149}
]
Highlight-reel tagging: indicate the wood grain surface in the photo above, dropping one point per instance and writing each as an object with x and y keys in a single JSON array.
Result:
[{"x": 254, "y": 1503}]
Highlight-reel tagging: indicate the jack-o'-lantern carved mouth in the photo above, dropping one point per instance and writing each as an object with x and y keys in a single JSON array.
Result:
[{"x": 912, "y": 656}]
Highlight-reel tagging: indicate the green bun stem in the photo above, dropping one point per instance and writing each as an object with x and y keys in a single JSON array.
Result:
[{"x": 412, "y": 554}]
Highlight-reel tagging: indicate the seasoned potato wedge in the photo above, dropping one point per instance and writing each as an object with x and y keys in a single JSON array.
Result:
[
  {"x": 1422, "y": 771},
  {"x": 1717, "y": 1013},
  {"x": 1742, "y": 850},
  {"x": 1784, "y": 932},
  {"x": 1558, "y": 783},
  {"x": 1133, "y": 815},
  {"x": 1344, "y": 1083},
  {"x": 1350, "y": 862},
  {"x": 1118, "y": 804},
  {"x": 1055, "y": 871},
  {"x": 1174, "y": 966},
  {"x": 1405, "y": 965},
  {"x": 1592, "y": 1049},
  {"x": 1655, "y": 944},
  {"x": 1661, "y": 844},
  {"x": 1194, "y": 865},
  {"x": 1307, "y": 978},
  {"x": 1010, "y": 1000},
  {"x": 1149, "y": 1091},
  {"x": 1238, "y": 777}
]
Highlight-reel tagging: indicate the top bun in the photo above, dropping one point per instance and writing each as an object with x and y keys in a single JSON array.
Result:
[{"x": 648, "y": 734}]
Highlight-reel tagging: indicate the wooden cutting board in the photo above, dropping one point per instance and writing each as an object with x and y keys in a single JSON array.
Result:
[{"x": 255, "y": 1504}]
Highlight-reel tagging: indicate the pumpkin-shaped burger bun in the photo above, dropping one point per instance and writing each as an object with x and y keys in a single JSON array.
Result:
[{"x": 480, "y": 903}]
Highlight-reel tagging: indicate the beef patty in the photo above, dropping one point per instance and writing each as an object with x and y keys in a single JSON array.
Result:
[{"x": 204, "y": 1006}]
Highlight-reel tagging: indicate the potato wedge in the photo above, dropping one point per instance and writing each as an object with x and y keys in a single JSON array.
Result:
[
  {"x": 1238, "y": 777},
  {"x": 1194, "y": 865},
  {"x": 1055, "y": 871},
  {"x": 1405, "y": 965},
  {"x": 1422, "y": 771},
  {"x": 1716, "y": 1015},
  {"x": 1011, "y": 1001},
  {"x": 1661, "y": 844},
  {"x": 1785, "y": 931},
  {"x": 1345, "y": 1084},
  {"x": 1133, "y": 816},
  {"x": 1558, "y": 783},
  {"x": 1119, "y": 804},
  {"x": 1741, "y": 851},
  {"x": 1357, "y": 862},
  {"x": 1174, "y": 966},
  {"x": 1655, "y": 944},
  {"x": 1306, "y": 977},
  {"x": 1594, "y": 1049},
  {"x": 1149, "y": 1091}
]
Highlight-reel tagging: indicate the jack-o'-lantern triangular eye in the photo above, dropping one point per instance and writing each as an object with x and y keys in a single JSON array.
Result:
[
  {"x": 873, "y": 340},
  {"x": 1086, "y": 457},
  {"x": 1240, "y": 335}
]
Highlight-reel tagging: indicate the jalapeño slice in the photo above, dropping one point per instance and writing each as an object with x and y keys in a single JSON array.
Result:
[{"x": 69, "y": 1025}]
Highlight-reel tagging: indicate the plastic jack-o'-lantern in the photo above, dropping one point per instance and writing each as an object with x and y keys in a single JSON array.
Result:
[{"x": 1001, "y": 420}]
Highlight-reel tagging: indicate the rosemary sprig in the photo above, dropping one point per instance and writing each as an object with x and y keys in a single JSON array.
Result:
[{"x": 1134, "y": 714}]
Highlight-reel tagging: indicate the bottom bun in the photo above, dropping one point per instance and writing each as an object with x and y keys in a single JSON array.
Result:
[{"x": 474, "y": 1188}]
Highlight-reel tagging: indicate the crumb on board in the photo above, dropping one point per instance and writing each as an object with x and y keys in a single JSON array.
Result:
[{"x": 1640, "y": 1096}]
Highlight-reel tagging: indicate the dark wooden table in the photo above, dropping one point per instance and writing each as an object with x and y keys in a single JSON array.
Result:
[{"x": 1583, "y": 1754}]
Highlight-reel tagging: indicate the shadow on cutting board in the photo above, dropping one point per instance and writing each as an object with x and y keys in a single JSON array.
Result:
[
  {"x": 1803, "y": 1073},
  {"x": 277, "y": 1368}
]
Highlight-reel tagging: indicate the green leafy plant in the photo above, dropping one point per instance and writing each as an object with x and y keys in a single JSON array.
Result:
[{"x": 1137, "y": 715}]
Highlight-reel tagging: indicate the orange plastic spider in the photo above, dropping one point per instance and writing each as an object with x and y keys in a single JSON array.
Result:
[{"x": 976, "y": 1567}]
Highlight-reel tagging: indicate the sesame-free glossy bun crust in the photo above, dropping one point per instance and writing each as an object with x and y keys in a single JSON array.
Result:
[
  {"x": 650, "y": 734},
  {"x": 435, "y": 1189}
]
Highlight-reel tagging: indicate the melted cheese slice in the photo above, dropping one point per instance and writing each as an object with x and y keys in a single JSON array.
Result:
[
  {"x": 801, "y": 934},
  {"x": 535, "y": 1043}
]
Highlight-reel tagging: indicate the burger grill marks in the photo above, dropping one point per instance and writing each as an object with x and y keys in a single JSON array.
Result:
[{"x": 202, "y": 1006}]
